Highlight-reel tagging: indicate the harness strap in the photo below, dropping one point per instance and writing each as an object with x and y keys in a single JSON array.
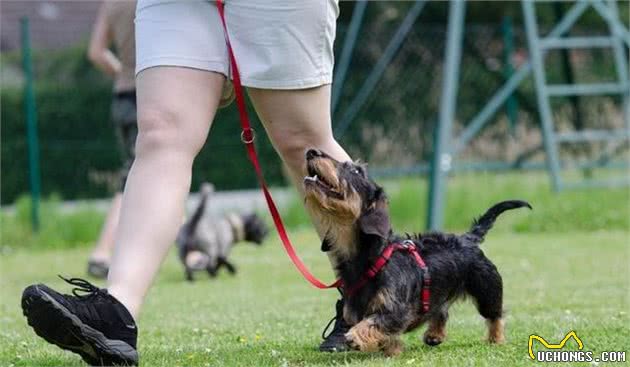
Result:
[
  {"x": 247, "y": 136},
  {"x": 425, "y": 293}
]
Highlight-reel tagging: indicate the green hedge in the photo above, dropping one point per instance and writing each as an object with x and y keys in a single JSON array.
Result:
[
  {"x": 77, "y": 141},
  {"x": 394, "y": 129}
]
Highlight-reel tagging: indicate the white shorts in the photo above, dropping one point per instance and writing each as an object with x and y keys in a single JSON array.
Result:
[{"x": 278, "y": 44}]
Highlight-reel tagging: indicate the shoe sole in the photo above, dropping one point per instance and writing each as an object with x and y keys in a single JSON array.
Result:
[
  {"x": 334, "y": 349},
  {"x": 70, "y": 333},
  {"x": 328, "y": 346}
]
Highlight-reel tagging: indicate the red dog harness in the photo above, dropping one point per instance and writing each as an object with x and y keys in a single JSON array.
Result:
[{"x": 378, "y": 265}]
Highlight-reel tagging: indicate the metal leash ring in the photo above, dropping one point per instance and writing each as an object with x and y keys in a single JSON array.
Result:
[{"x": 248, "y": 135}]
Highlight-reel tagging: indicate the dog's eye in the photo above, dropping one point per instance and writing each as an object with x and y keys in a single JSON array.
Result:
[{"x": 358, "y": 171}]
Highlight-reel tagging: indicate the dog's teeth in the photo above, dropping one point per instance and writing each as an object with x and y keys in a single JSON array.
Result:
[{"x": 311, "y": 178}]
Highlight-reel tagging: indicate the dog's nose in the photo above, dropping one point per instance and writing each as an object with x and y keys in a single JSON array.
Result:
[{"x": 312, "y": 153}]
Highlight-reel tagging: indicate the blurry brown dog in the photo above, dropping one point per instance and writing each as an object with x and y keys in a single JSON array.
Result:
[{"x": 205, "y": 242}]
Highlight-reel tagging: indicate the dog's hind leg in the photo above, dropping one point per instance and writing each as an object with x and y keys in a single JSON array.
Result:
[
  {"x": 436, "y": 332},
  {"x": 230, "y": 267},
  {"x": 485, "y": 285}
]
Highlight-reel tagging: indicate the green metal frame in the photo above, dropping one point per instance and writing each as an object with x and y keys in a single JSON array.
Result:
[
  {"x": 448, "y": 146},
  {"x": 511, "y": 105},
  {"x": 378, "y": 70},
  {"x": 442, "y": 155},
  {"x": 350, "y": 40},
  {"x": 30, "y": 111},
  {"x": 544, "y": 91},
  {"x": 474, "y": 126}
]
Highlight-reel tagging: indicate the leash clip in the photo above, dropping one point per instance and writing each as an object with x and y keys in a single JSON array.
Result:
[
  {"x": 248, "y": 135},
  {"x": 408, "y": 244}
]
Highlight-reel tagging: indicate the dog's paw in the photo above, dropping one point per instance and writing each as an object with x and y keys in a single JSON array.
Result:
[
  {"x": 365, "y": 337},
  {"x": 496, "y": 339},
  {"x": 433, "y": 338},
  {"x": 393, "y": 347},
  {"x": 351, "y": 342},
  {"x": 496, "y": 334}
]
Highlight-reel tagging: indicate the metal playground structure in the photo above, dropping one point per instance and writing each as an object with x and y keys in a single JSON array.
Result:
[{"x": 447, "y": 146}]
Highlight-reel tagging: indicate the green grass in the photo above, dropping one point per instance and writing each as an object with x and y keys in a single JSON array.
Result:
[
  {"x": 268, "y": 316},
  {"x": 58, "y": 229},
  {"x": 565, "y": 267},
  {"x": 468, "y": 196}
]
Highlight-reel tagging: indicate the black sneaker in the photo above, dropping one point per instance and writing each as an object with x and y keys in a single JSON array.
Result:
[
  {"x": 94, "y": 325},
  {"x": 336, "y": 340}
]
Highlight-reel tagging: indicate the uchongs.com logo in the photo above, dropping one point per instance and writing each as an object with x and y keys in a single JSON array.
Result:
[{"x": 555, "y": 352}]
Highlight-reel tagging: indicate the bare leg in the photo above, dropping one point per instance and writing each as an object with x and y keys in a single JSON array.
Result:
[
  {"x": 175, "y": 109},
  {"x": 105, "y": 244},
  {"x": 295, "y": 121}
]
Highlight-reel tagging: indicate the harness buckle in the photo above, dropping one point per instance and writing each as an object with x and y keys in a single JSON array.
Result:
[{"x": 407, "y": 244}]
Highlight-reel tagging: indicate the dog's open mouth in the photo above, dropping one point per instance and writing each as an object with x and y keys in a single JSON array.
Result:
[{"x": 321, "y": 182}]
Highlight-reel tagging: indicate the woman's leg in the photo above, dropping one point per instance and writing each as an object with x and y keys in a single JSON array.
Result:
[
  {"x": 175, "y": 110},
  {"x": 296, "y": 120}
]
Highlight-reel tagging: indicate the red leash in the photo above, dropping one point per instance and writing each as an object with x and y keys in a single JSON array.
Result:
[{"x": 247, "y": 136}]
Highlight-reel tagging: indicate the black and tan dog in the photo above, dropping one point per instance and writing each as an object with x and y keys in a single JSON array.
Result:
[
  {"x": 355, "y": 211},
  {"x": 205, "y": 242}
]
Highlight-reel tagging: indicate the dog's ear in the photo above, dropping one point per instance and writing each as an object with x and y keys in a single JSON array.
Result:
[{"x": 375, "y": 219}]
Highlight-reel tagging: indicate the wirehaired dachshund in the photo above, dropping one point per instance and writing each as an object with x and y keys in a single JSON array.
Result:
[{"x": 354, "y": 210}]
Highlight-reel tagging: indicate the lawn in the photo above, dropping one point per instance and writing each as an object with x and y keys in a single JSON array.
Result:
[
  {"x": 565, "y": 267},
  {"x": 268, "y": 316}
]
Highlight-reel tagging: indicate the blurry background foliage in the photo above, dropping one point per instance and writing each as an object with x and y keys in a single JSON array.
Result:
[{"x": 79, "y": 157}]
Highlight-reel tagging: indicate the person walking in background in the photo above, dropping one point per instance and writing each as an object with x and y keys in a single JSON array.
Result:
[{"x": 114, "y": 26}]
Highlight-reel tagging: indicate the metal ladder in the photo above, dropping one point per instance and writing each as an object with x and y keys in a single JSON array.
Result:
[{"x": 538, "y": 46}]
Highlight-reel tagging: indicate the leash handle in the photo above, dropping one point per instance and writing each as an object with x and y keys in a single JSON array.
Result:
[{"x": 247, "y": 136}]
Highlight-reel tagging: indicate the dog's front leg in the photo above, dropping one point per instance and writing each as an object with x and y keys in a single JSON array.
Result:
[
  {"x": 212, "y": 270},
  {"x": 368, "y": 336},
  {"x": 436, "y": 332},
  {"x": 189, "y": 274}
]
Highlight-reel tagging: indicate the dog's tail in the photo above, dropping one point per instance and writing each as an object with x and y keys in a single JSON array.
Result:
[
  {"x": 206, "y": 190},
  {"x": 188, "y": 229},
  {"x": 482, "y": 225}
]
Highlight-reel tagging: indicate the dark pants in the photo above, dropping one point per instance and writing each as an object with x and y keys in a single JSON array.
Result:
[{"x": 124, "y": 118}]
